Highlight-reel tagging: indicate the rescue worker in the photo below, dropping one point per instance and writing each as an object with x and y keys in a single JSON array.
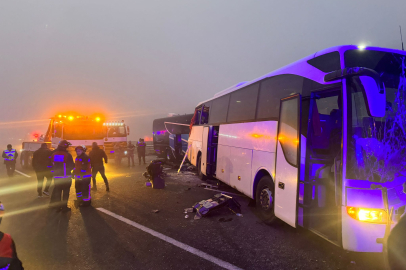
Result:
[
  {"x": 141, "y": 150},
  {"x": 96, "y": 159},
  {"x": 10, "y": 156},
  {"x": 8, "y": 253},
  {"x": 83, "y": 175},
  {"x": 62, "y": 166},
  {"x": 117, "y": 154},
  {"x": 130, "y": 153},
  {"x": 41, "y": 162}
]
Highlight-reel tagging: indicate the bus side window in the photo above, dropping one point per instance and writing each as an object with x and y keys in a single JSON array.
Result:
[
  {"x": 273, "y": 90},
  {"x": 243, "y": 104}
]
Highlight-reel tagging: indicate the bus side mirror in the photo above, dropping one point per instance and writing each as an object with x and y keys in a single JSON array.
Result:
[
  {"x": 374, "y": 91},
  {"x": 372, "y": 87}
]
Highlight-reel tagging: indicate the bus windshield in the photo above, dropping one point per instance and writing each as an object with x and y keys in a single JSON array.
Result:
[
  {"x": 377, "y": 146},
  {"x": 83, "y": 132}
]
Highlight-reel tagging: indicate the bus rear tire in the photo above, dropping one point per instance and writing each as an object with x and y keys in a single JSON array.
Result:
[
  {"x": 265, "y": 199},
  {"x": 199, "y": 169}
]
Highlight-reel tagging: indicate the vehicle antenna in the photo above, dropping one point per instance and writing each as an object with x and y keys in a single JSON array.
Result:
[{"x": 401, "y": 38}]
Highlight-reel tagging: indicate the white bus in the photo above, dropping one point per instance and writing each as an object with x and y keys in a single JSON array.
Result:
[{"x": 319, "y": 143}]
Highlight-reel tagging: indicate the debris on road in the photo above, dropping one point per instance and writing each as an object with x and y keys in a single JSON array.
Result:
[
  {"x": 203, "y": 207},
  {"x": 225, "y": 219},
  {"x": 188, "y": 210},
  {"x": 148, "y": 184},
  {"x": 155, "y": 211},
  {"x": 187, "y": 216},
  {"x": 238, "y": 215},
  {"x": 206, "y": 185}
]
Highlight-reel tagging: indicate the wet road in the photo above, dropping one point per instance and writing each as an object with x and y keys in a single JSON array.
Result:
[{"x": 121, "y": 231}]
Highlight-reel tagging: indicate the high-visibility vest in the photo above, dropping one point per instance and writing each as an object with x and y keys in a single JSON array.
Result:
[{"x": 10, "y": 154}]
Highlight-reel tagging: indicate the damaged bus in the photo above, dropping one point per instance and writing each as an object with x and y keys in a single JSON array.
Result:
[{"x": 319, "y": 143}]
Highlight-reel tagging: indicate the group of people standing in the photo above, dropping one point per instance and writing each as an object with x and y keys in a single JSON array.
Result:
[
  {"x": 140, "y": 146},
  {"x": 60, "y": 166}
]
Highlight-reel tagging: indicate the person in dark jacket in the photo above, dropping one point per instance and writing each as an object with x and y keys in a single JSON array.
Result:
[
  {"x": 62, "y": 166},
  {"x": 96, "y": 159},
  {"x": 130, "y": 153},
  {"x": 10, "y": 156},
  {"x": 41, "y": 162},
  {"x": 83, "y": 176},
  {"x": 141, "y": 150},
  {"x": 8, "y": 253}
]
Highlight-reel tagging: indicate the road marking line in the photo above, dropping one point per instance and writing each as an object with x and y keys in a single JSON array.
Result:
[
  {"x": 26, "y": 175},
  {"x": 172, "y": 241}
]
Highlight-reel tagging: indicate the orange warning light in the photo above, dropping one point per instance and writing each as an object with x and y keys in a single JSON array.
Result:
[
  {"x": 70, "y": 118},
  {"x": 98, "y": 119}
]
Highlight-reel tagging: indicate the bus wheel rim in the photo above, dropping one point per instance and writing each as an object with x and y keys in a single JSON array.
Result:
[{"x": 266, "y": 199}]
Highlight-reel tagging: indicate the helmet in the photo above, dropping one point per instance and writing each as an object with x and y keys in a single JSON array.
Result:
[
  {"x": 81, "y": 147},
  {"x": 64, "y": 144}
]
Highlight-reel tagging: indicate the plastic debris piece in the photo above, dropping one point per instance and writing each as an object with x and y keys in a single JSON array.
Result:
[
  {"x": 188, "y": 210},
  {"x": 352, "y": 262},
  {"x": 217, "y": 201},
  {"x": 155, "y": 211},
  {"x": 238, "y": 215},
  {"x": 187, "y": 216}
]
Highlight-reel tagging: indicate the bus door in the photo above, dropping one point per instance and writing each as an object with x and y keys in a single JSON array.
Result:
[
  {"x": 205, "y": 149},
  {"x": 321, "y": 188},
  {"x": 287, "y": 160}
]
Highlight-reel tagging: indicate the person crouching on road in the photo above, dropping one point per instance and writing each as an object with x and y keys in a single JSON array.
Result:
[
  {"x": 83, "y": 175},
  {"x": 141, "y": 150},
  {"x": 96, "y": 158},
  {"x": 8, "y": 253},
  {"x": 10, "y": 156},
  {"x": 130, "y": 153},
  {"x": 41, "y": 162},
  {"x": 62, "y": 166}
]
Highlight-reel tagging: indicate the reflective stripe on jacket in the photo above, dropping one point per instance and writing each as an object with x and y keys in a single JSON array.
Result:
[
  {"x": 83, "y": 168},
  {"x": 10, "y": 155}
]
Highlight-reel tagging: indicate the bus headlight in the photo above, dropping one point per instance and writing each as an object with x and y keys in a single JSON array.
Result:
[{"x": 370, "y": 215}]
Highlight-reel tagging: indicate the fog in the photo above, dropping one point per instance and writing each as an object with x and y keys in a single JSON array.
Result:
[{"x": 140, "y": 60}]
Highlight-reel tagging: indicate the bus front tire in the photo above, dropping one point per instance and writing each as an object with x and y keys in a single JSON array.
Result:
[{"x": 265, "y": 199}]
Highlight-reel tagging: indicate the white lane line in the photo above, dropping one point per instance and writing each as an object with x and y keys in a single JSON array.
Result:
[
  {"x": 26, "y": 175},
  {"x": 172, "y": 241}
]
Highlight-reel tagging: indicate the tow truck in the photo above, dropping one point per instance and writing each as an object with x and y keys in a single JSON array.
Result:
[{"x": 77, "y": 129}]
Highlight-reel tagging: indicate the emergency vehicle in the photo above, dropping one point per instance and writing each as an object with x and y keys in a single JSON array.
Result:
[
  {"x": 115, "y": 132},
  {"x": 77, "y": 129}
]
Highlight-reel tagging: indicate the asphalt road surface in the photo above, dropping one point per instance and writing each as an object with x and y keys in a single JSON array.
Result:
[{"x": 121, "y": 230}]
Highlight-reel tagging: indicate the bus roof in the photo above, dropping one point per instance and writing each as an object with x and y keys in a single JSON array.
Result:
[{"x": 304, "y": 69}]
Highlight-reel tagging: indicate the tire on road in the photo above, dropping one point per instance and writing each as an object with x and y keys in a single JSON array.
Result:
[
  {"x": 265, "y": 199},
  {"x": 199, "y": 168}
]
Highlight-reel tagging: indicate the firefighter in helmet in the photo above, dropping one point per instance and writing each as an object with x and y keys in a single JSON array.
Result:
[
  {"x": 62, "y": 166},
  {"x": 83, "y": 176}
]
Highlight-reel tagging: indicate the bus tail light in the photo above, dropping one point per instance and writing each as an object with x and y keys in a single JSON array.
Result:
[{"x": 370, "y": 215}]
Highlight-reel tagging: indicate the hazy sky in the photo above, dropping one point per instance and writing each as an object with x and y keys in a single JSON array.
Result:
[{"x": 150, "y": 58}]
